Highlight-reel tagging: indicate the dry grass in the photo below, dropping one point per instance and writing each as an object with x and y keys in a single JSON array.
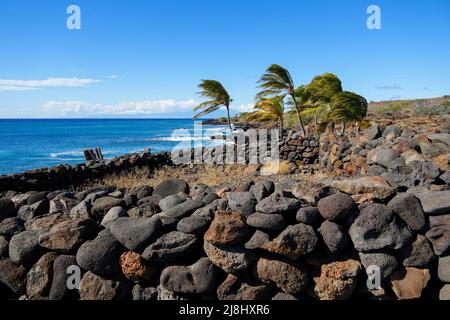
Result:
[
  {"x": 276, "y": 167},
  {"x": 212, "y": 175}
]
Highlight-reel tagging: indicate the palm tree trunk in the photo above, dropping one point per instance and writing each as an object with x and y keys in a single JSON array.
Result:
[
  {"x": 281, "y": 127},
  {"x": 229, "y": 119},
  {"x": 343, "y": 128},
  {"x": 300, "y": 121}
]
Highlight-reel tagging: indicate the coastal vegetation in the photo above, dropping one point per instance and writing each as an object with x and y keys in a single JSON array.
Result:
[
  {"x": 217, "y": 97},
  {"x": 322, "y": 102}
]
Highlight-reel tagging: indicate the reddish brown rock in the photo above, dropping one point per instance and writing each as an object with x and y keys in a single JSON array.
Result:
[
  {"x": 365, "y": 188},
  {"x": 337, "y": 280},
  {"x": 227, "y": 228},
  {"x": 39, "y": 278},
  {"x": 234, "y": 288},
  {"x": 45, "y": 223},
  {"x": 135, "y": 268},
  {"x": 290, "y": 277},
  {"x": 67, "y": 236},
  {"x": 443, "y": 162},
  {"x": 409, "y": 283},
  {"x": 93, "y": 287}
]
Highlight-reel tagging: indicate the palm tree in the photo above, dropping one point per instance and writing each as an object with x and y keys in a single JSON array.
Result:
[
  {"x": 218, "y": 97},
  {"x": 271, "y": 109},
  {"x": 277, "y": 81},
  {"x": 346, "y": 107},
  {"x": 319, "y": 94}
]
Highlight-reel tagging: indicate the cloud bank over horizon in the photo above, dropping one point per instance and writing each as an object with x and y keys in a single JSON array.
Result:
[{"x": 29, "y": 85}]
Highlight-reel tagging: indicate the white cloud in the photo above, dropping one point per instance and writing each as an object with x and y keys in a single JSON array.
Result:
[
  {"x": 68, "y": 108},
  {"x": 244, "y": 107},
  {"x": 113, "y": 76},
  {"x": 28, "y": 85}
]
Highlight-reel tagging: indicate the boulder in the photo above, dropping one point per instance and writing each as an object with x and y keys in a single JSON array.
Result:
[
  {"x": 444, "y": 268},
  {"x": 439, "y": 233},
  {"x": 417, "y": 254},
  {"x": 262, "y": 189},
  {"x": 81, "y": 210},
  {"x": 59, "y": 289},
  {"x": 231, "y": 259},
  {"x": 266, "y": 221},
  {"x": 67, "y": 236},
  {"x": 62, "y": 204},
  {"x": 101, "y": 255},
  {"x": 310, "y": 192},
  {"x": 309, "y": 215},
  {"x": 199, "y": 278},
  {"x": 103, "y": 205},
  {"x": 164, "y": 294},
  {"x": 382, "y": 156},
  {"x": 294, "y": 242},
  {"x": 7, "y": 208},
  {"x": 334, "y": 238},
  {"x": 36, "y": 196},
  {"x": 408, "y": 283},
  {"x": 29, "y": 212},
  {"x": 140, "y": 293},
  {"x": 4, "y": 248},
  {"x": 242, "y": 202},
  {"x": 378, "y": 227},
  {"x": 234, "y": 288},
  {"x": 195, "y": 224},
  {"x": 283, "y": 296},
  {"x": 40, "y": 276},
  {"x": 44, "y": 224},
  {"x": 444, "y": 293},
  {"x": 145, "y": 210},
  {"x": 11, "y": 226},
  {"x": 171, "y": 201},
  {"x": 435, "y": 203},
  {"x": 408, "y": 207},
  {"x": 171, "y": 217},
  {"x": 337, "y": 280},
  {"x": 381, "y": 259},
  {"x": 136, "y": 234},
  {"x": 94, "y": 287},
  {"x": 13, "y": 276},
  {"x": 365, "y": 188},
  {"x": 135, "y": 268},
  {"x": 278, "y": 203},
  {"x": 336, "y": 207},
  {"x": 112, "y": 215},
  {"x": 290, "y": 277},
  {"x": 24, "y": 248},
  {"x": 257, "y": 240},
  {"x": 228, "y": 227},
  {"x": 170, "y": 187},
  {"x": 373, "y": 132},
  {"x": 170, "y": 247}
]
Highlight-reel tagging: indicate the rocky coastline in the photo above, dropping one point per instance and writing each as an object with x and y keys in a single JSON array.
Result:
[{"x": 386, "y": 210}]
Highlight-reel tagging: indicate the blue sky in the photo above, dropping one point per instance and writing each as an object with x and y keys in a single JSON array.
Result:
[{"x": 140, "y": 58}]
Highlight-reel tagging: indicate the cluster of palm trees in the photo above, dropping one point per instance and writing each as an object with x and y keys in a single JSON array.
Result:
[{"x": 323, "y": 100}]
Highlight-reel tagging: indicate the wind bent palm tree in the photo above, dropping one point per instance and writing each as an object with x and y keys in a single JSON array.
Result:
[
  {"x": 317, "y": 96},
  {"x": 218, "y": 97},
  {"x": 271, "y": 109},
  {"x": 277, "y": 81},
  {"x": 346, "y": 107}
]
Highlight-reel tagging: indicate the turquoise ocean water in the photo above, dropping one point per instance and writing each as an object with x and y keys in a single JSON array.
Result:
[{"x": 35, "y": 143}]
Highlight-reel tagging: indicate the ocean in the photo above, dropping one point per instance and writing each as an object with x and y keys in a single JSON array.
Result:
[{"x": 35, "y": 143}]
